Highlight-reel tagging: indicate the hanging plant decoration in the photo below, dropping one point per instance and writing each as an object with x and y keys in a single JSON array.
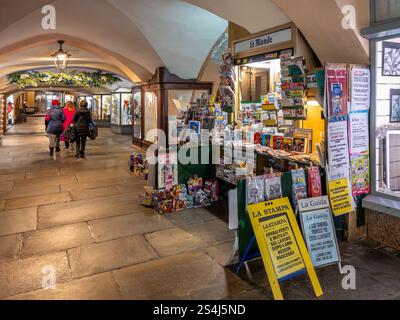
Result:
[{"x": 75, "y": 78}]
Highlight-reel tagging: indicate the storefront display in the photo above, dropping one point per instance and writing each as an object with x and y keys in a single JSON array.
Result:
[{"x": 121, "y": 111}]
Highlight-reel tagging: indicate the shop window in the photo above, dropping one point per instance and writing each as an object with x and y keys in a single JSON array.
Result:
[
  {"x": 387, "y": 116},
  {"x": 386, "y": 10},
  {"x": 126, "y": 109},
  {"x": 115, "y": 109},
  {"x": 150, "y": 110},
  {"x": 106, "y": 107},
  {"x": 137, "y": 115}
]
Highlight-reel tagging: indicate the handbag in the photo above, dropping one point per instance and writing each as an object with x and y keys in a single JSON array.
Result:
[
  {"x": 93, "y": 131},
  {"x": 70, "y": 133}
]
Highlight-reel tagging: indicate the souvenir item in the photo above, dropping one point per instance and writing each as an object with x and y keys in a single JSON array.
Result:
[
  {"x": 299, "y": 185},
  {"x": 266, "y": 140},
  {"x": 314, "y": 183},
  {"x": 194, "y": 184},
  {"x": 211, "y": 187},
  {"x": 184, "y": 201},
  {"x": 272, "y": 187},
  {"x": 255, "y": 190}
]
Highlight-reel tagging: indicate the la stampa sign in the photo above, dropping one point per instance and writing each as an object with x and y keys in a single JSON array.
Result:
[{"x": 267, "y": 40}]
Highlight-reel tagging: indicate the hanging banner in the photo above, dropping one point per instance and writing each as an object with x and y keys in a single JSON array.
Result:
[
  {"x": 339, "y": 196},
  {"x": 336, "y": 87},
  {"x": 360, "y": 88},
  {"x": 281, "y": 244},
  {"x": 360, "y": 177},
  {"x": 359, "y": 132},
  {"x": 319, "y": 232},
  {"x": 338, "y": 149}
]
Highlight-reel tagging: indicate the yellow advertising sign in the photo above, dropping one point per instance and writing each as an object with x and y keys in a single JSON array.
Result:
[
  {"x": 281, "y": 244},
  {"x": 339, "y": 196}
]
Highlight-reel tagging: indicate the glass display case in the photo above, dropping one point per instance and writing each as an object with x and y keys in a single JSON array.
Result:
[
  {"x": 121, "y": 111},
  {"x": 161, "y": 101}
]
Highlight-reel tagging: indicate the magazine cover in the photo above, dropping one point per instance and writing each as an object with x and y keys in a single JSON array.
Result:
[
  {"x": 360, "y": 178},
  {"x": 299, "y": 185},
  {"x": 255, "y": 190},
  {"x": 272, "y": 187}
]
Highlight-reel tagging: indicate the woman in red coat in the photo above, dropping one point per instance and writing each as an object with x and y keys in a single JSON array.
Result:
[{"x": 69, "y": 112}]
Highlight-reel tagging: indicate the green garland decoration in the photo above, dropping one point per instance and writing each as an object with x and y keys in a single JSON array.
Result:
[{"x": 74, "y": 78}]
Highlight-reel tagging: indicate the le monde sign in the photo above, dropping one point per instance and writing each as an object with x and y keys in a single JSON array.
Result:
[{"x": 264, "y": 41}]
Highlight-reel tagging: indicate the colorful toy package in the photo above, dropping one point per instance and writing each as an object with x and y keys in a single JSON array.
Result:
[
  {"x": 184, "y": 201},
  {"x": 194, "y": 184},
  {"x": 299, "y": 185},
  {"x": 212, "y": 188}
]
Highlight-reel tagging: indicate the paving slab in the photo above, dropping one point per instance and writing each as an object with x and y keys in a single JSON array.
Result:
[
  {"x": 18, "y": 221},
  {"x": 97, "y": 287},
  {"x": 10, "y": 247},
  {"x": 220, "y": 253},
  {"x": 128, "y": 225},
  {"x": 29, "y": 191},
  {"x": 43, "y": 173},
  {"x": 12, "y": 177},
  {"x": 55, "y": 239},
  {"x": 86, "y": 210},
  {"x": 26, "y": 275},
  {"x": 173, "y": 241},
  {"x": 186, "y": 276},
  {"x": 49, "y": 181},
  {"x": 213, "y": 232},
  {"x": 94, "y": 193},
  {"x": 6, "y": 186},
  {"x": 101, "y": 257},
  {"x": 35, "y": 201}
]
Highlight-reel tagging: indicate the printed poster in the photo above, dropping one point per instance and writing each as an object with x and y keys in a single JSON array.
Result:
[
  {"x": 319, "y": 232},
  {"x": 336, "y": 87},
  {"x": 339, "y": 196},
  {"x": 360, "y": 88},
  {"x": 338, "y": 150},
  {"x": 359, "y": 132},
  {"x": 360, "y": 176}
]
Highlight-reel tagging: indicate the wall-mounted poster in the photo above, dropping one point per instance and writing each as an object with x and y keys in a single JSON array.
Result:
[
  {"x": 359, "y": 132},
  {"x": 336, "y": 80},
  {"x": 360, "y": 178},
  {"x": 338, "y": 149},
  {"x": 360, "y": 88},
  {"x": 390, "y": 59},
  {"x": 394, "y": 105}
]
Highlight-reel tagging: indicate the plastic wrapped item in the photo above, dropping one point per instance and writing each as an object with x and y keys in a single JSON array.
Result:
[
  {"x": 184, "y": 201},
  {"x": 194, "y": 184},
  {"x": 201, "y": 198},
  {"x": 314, "y": 182},
  {"x": 299, "y": 185},
  {"x": 255, "y": 190},
  {"x": 272, "y": 187},
  {"x": 212, "y": 188}
]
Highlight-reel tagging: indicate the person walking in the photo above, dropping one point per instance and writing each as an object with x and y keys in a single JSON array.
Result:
[
  {"x": 82, "y": 119},
  {"x": 54, "y": 123},
  {"x": 69, "y": 112}
]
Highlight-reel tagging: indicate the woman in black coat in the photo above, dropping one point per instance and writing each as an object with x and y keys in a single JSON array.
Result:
[{"x": 82, "y": 119}]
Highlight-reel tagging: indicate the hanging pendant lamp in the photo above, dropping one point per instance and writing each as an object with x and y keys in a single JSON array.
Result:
[{"x": 61, "y": 58}]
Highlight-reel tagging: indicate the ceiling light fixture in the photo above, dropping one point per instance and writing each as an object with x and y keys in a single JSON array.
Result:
[{"x": 61, "y": 57}]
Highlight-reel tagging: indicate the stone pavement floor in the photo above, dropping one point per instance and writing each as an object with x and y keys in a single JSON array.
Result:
[{"x": 81, "y": 217}]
